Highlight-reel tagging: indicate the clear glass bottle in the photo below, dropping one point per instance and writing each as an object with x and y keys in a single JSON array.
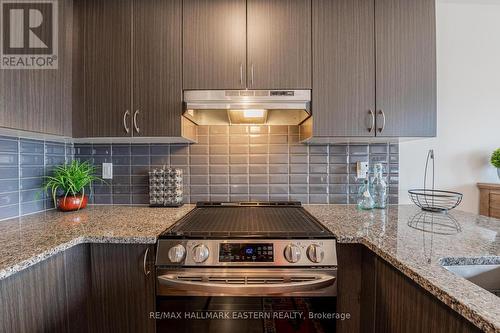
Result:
[
  {"x": 379, "y": 186},
  {"x": 365, "y": 200}
]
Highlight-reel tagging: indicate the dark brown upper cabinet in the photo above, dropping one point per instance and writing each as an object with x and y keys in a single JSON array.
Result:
[
  {"x": 405, "y": 36},
  {"x": 255, "y": 44},
  {"x": 131, "y": 64},
  {"x": 39, "y": 100},
  {"x": 214, "y": 51},
  {"x": 278, "y": 44},
  {"x": 343, "y": 68},
  {"x": 374, "y": 68},
  {"x": 157, "y": 68},
  {"x": 104, "y": 108}
]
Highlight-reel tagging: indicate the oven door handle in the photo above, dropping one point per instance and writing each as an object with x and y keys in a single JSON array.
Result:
[{"x": 254, "y": 289}]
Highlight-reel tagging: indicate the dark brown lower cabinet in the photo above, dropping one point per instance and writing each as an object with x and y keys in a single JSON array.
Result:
[
  {"x": 78, "y": 283},
  {"x": 382, "y": 299},
  {"x": 47, "y": 297},
  {"x": 122, "y": 294},
  {"x": 403, "y": 306},
  {"x": 87, "y": 288},
  {"x": 356, "y": 278}
]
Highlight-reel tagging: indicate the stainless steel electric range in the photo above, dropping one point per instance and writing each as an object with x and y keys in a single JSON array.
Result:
[{"x": 264, "y": 267}]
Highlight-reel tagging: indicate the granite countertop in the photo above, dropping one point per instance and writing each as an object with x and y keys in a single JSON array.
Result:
[
  {"x": 30, "y": 239},
  {"x": 394, "y": 234}
]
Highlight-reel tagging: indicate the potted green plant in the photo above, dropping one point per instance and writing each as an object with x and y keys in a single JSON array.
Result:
[
  {"x": 67, "y": 184},
  {"x": 495, "y": 160}
]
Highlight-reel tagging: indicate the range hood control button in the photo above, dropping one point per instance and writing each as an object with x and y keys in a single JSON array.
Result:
[
  {"x": 292, "y": 253},
  {"x": 200, "y": 253},
  {"x": 177, "y": 253}
]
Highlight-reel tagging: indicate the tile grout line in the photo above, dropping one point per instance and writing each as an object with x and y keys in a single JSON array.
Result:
[
  {"x": 268, "y": 144},
  {"x": 307, "y": 173},
  {"x": 288, "y": 162},
  {"x": 19, "y": 176},
  {"x": 228, "y": 167},
  {"x": 209, "y": 190},
  {"x": 328, "y": 174},
  {"x": 248, "y": 162}
]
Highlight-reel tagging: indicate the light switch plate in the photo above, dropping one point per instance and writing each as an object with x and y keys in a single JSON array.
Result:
[
  {"x": 107, "y": 171},
  {"x": 361, "y": 170}
]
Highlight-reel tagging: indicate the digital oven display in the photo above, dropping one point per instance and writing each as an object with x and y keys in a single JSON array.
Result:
[{"x": 246, "y": 252}]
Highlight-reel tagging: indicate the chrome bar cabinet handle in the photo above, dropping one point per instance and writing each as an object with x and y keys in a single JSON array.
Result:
[
  {"x": 251, "y": 75},
  {"x": 382, "y": 113},
  {"x": 372, "y": 126},
  {"x": 241, "y": 74},
  {"x": 135, "y": 121},
  {"x": 145, "y": 262},
  {"x": 125, "y": 115}
]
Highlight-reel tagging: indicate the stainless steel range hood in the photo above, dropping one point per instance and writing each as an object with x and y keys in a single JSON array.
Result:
[{"x": 235, "y": 107}]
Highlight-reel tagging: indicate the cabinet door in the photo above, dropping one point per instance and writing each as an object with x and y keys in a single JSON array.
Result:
[
  {"x": 403, "y": 306},
  {"x": 343, "y": 68},
  {"x": 34, "y": 300},
  {"x": 214, "y": 44},
  {"x": 356, "y": 287},
  {"x": 157, "y": 76},
  {"x": 405, "y": 32},
  {"x": 77, "y": 279},
  {"x": 122, "y": 294},
  {"x": 40, "y": 100},
  {"x": 279, "y": 44},
  {"x": 106, "y": 72}
]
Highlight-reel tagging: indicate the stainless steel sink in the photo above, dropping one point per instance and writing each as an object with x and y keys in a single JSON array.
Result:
[{"x": 486, "y": 276}]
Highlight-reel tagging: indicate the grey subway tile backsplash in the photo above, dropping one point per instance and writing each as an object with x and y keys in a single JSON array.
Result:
[
  {"x": 10, "y": 198},
  {"x": 139, "y": 149},
  {"x": 101, "y": 149},
  {"x": 7, "y": 212},
  {"x": 8, "y": 146},
  {"x": 338, "y": 199},
  {"x": 8, "y": 160},
  {"x": 9, "y": 185},
  {"x": 23, "y": 164},
  {"x": 120, "y": 149},
  {"x": 11, "y": 172},
  {"x": 358, "y": 149},
  {"x": 31, "y": 146},
  {"x": 228, "y": 163}
]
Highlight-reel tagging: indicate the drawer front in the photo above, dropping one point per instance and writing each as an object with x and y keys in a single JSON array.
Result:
[
  {"x": 495, "y": 212},
  {"x": 495, "y": 201}
]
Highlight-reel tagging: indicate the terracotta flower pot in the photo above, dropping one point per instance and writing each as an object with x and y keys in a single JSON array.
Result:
[{"x": 70, "y": 203}]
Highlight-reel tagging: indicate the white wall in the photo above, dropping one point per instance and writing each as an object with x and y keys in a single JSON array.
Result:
[{"x": 468, "y": 80}]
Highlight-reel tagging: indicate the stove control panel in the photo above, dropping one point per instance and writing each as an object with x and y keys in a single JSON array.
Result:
[{"x": 246, "y": 252}]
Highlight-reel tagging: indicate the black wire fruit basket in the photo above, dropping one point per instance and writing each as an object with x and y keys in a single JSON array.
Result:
[{"x": 432, "y": 200}]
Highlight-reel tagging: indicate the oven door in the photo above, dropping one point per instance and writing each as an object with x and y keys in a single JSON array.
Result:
[{"x": 246, "y": 300}]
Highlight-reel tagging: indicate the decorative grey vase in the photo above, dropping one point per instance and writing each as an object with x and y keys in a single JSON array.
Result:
[{"x": 498, "y": 173}]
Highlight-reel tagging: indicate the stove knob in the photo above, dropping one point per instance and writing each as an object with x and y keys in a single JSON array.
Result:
[
  {"x": 315, "y": 253},
  {"x": 200, "y": 253},
  {"x": 176, "y": 253},
  {"x": 292, "y": 253}
]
